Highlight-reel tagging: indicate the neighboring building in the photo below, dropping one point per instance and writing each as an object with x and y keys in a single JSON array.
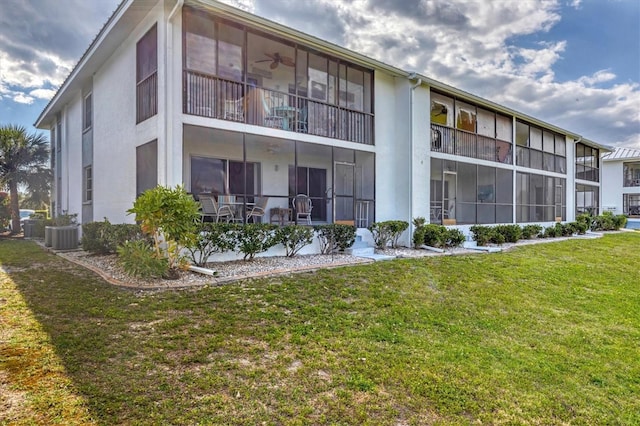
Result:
[
  {"x": 621, "y": 182},
  {"x": 200, "y": 93}
]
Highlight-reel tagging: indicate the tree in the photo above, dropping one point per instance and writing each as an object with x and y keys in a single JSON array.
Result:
[{"x": 23, "y": 161}]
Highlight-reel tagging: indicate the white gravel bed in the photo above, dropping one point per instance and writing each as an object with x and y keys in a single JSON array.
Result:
[{"x": 108, "y": 266}]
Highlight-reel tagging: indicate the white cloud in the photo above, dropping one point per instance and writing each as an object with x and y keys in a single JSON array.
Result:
[
  {"x": 45, "y": 94},
  {"x": 21, "y": 98}
]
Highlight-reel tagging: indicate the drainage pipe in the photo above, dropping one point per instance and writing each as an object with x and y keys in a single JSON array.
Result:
[{"x": 418, "y": 83}]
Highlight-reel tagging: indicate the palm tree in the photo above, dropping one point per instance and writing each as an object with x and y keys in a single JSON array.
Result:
[{"x": 23, "y": 161}]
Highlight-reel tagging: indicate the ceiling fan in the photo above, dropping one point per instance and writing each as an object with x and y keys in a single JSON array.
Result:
[{"x": 276, "y": 58}]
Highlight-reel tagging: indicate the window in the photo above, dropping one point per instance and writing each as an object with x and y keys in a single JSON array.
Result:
[
  {"x": 540, "y": 149},
  {"x": 587, "y": 199},
  {"x": 631, "y": 172},
  {"x": 587, "y": 163},
  {"x": 146, "y": 167},
  {"x": 87, "y": 113},
  {"x": 631, "y": 205},
  {"x": 312, "y": 182},
  {"x": 539, "y": 198},
  {"x": 224, "y": 177},
  {"x": 88, "y": 184},
  {"x": 476, "y": 194},
  {"x": 146, "y": 75}
]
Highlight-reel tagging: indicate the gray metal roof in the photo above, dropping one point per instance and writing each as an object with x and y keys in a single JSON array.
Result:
[{"x": 622, "y": 154}]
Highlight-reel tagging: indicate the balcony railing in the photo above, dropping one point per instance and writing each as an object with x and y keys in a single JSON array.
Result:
[
  {"x": 209, "y": 96},
  {"x": 459, "y": 142},
  {"x": 147, "y": 98},
  {"x": 631, "y": 182}
]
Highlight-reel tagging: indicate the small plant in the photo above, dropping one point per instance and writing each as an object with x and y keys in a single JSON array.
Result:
[
  {"x": 254, "y": 238},
  {"x": 64, "y": 219},
  {"x": 511, "y": 233},
  {"x": 212, "y": 238},
  {"x": 482, "y": 235},
  {"x": 169, "y": 217},
  {"x": 435, "y": 235},
  {"x": 138, "y": 259},
  {"x": 454, "y": 238},
  {"x": 388, "y": 232},
  {"x": 531, "y": 231},
  {"x": 586, "y": 219},
  {"x": 418, "y": 232},
  {"x": 619, "y": 221},
  {"x": 333, "y": 237},
  {"x": 105, "y": 237},
  {"x": 294, "y": 238}
]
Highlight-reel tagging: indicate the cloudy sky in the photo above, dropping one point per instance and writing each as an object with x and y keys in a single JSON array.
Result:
[{"x": 572, "y": 63}]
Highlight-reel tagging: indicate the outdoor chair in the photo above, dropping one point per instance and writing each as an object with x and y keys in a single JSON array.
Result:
[
  {"x": 211, "y": 209},
  {"x": 302, "y": 205},
  {"x": 257, "y": 210}
]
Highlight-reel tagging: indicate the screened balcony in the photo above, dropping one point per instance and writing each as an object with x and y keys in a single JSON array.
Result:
[{"x": 235, "y": 73}]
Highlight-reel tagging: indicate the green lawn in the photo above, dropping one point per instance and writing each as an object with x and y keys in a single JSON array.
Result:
[{"x": 544, "y": 334}]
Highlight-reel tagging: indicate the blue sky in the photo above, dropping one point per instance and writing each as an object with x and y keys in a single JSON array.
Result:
[{"x": 572, "y": 63}]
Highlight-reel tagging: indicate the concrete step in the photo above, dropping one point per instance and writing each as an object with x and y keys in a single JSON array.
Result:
[
  {"x": 377, "y": 257},
  {"x": 360, "y": 251}
]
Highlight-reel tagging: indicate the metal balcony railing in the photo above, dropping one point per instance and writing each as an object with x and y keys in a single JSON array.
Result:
[
  {"x": 466, "y": 144},
  {"x": 210, "y": 96}
]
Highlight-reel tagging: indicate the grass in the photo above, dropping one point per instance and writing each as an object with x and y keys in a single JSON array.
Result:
[{"x": 544, "y": 334}]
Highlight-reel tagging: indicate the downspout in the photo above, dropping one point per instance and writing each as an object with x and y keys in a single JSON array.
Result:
[
  {"x": 168, "y": 98},
  {"x": 411, "y": 76}
]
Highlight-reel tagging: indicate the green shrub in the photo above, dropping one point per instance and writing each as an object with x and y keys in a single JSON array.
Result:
[
  {"x": 335, "y": 236},
  {"x": 619, "y": 221},
  {"x": 531, "y": 231},
  {"x": 511, "y": 233},
  {"x": 498, "y": 238},
  {"x": 454, "y": 238},
  {"x": 294, "y": 238},
  {"x": 105, "y": 237},
  {"x": 254, "y": 238},
  {"x": 138, "y": 259},
  {"x": 604, "y": 222},
  {"x": 169, "y": 216},
  {"x": 211, "y": 238},
  {"x": 551, "y": 232},
  {"x": 435, "y": 235},
  {"x": 586, "y": 219},
  {"x": 482, "y": 235},
  {"x": 418, "y": 231},
  {"x": 388, "y": 232}
]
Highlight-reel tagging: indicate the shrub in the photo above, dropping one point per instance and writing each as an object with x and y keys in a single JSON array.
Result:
[
  {"x": 105, "y": 237},
  {"x": 586, "y": 219},
  {"x": 388, "y": 232},
  {"x": 211, "y": 238},
  {"x": 419, "y": 231},
  {"x": 604, "y": 222},
  {"x": 498, "y": 238},
  {"x": 454, "y": 238},
  {"x": 169, "y": 217},
  {"x": 552, "y": 232},
  {"x": 139, "y": 260},
  {"x": 531, "y": 231},
  {"x": 482, "y": 235},
  {"x": 254, "y": 238},
  {"x": 619, "y": 221},
  {"x": 511, "y": 233},
  {"x": 335, "y": 236},
  {"x": 435, "y": 235},
  {"x": 63, "y": 219},
  {"x": 294, "y": 238}
]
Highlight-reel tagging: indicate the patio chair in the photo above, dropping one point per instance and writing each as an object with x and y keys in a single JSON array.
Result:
[
  {"x": 302, "y": 205},
  {"x": 211, "y": 209},
  {"x": 257, "y": 210},
  {"x": 270, "y": 118}
]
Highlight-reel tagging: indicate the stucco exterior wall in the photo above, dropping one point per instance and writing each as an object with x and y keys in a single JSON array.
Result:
[{"x": 116, "y": 134}]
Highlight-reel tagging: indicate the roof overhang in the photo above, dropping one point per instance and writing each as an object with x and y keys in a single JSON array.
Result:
[{"x": 114, "y": 32}]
